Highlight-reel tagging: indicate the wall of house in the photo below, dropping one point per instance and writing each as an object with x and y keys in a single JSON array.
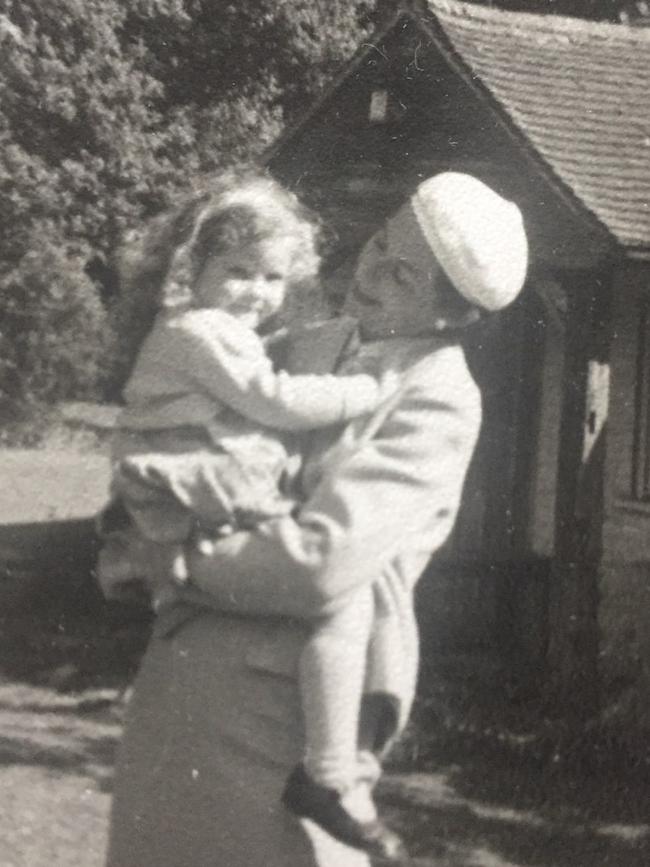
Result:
[{"x": 624, "y": 585}]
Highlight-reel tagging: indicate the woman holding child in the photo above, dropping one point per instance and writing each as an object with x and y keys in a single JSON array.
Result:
[{"x": 284, "y": 653}]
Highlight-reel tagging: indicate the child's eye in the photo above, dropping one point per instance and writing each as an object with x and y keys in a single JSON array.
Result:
[{"x": 237, "y": 272}]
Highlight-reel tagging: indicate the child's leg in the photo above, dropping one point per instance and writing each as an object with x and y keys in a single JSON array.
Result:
[
  {"x": 155, "y": 514},
  {"x": 150, "y": 501},
  {"x": 333, "y": 787},
  {"x": 332, "y": 674}
]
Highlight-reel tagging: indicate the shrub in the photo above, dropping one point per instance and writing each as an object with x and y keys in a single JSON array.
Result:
[
  {"x": 54, "y": 330},
  {"x": 107, "y": 109}
]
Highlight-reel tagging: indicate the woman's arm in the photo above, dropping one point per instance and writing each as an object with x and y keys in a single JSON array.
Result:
[
  {"x": 400, "y": 491},
  {"x": 228, "y": 361}
]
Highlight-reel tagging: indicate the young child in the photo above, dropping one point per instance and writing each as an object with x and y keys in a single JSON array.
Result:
[{"x": 200, "y": 449}]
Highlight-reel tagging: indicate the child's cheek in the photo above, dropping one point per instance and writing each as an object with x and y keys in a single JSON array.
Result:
[{"x": 233, "y": 289}]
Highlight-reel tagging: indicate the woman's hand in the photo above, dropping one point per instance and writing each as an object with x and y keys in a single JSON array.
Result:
[{"x": 160, "y": 566}]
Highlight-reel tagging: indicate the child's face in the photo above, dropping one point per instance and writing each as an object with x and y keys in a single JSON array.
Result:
[{"x": 249, "y": 283}]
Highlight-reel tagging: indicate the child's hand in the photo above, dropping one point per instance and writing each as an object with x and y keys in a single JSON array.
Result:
[{"x": 165, "y": 565}]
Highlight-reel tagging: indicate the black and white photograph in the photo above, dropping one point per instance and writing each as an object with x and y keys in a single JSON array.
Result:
[{"x": 324, "y": 433}]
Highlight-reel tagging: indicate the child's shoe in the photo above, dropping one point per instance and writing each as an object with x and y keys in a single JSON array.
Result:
[{"x": 310, "y": 800}]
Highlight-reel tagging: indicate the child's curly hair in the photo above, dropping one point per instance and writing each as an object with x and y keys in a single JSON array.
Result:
[{"x": 159, "y": 263}]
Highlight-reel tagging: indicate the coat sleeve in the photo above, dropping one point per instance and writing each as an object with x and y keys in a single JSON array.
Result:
[
  {"x": 229, "y": 363},
  {"x": 398, "y": 492}
]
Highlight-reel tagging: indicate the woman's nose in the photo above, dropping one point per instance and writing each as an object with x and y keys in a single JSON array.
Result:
[{"x": 256, "y": 284}]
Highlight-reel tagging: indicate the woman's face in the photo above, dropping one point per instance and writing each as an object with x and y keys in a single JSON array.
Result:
[
  {"x": 249, "y": 283},
  {"x": 393, "y": 292}
]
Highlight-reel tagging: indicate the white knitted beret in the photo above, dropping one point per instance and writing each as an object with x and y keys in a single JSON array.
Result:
[{"x": 477, "y": 236}]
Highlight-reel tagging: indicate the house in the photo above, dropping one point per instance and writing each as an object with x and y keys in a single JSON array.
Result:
[{"x": 550, "y": 555}]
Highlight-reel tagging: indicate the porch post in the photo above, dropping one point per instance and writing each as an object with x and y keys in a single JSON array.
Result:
[{"x": 573, "y": 593}]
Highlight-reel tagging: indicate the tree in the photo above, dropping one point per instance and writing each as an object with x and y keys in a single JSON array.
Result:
[{"x": 106, "y": 109}]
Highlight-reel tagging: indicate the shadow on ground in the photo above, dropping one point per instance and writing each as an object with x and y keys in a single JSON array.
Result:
[
  {"x": 64, "y": 672},
  {"x": 473, "y": 785},
  {"x": 481, "y": 814},
  {"x": 484, "y": 782}
]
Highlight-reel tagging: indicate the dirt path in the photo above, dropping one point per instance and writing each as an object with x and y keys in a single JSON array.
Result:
[
  {"x": 51, "y": 484},
  {"x": 461, "y": 805},
  {"x": 55, "y": 770},
  {"x": 60, "y": 722}
]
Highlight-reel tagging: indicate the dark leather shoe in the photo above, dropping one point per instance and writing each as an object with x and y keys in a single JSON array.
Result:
[{"x": 309, "y": 800}]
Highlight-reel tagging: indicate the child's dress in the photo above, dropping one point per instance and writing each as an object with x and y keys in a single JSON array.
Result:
[{"x": 200, "y": 441}]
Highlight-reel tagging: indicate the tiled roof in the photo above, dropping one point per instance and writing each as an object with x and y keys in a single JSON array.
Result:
[{"x": 578, "y": 91}]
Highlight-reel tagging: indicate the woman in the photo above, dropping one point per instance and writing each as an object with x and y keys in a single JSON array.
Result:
[{"x": 214, "y": 724}]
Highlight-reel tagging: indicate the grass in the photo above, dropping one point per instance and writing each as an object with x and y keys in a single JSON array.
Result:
[
  {"x": 73, "y": 425},
  {"x": 63, "y": 670}
]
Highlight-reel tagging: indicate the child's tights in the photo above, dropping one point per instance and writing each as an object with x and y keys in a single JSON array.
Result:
[{"x": 332, "y": 676}]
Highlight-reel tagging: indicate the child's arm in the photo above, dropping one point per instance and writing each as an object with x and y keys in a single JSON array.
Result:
[
  {"x": 227, "y": 360},
  {"x": 395, "y": 496}
]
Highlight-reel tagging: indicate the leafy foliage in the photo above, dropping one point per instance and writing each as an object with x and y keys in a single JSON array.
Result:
[
  {"x": 55, "y": 323},
  {"x": 107, "y": 110}
]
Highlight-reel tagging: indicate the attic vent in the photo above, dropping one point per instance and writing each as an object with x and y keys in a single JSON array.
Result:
[
  {"x": 378, "y": 106},
  {"x": 385, "y": 107}
]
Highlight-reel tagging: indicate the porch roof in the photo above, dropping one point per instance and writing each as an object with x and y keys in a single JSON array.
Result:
[{"x": 578, "y": 91}]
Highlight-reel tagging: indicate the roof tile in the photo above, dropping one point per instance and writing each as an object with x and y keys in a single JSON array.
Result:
[{"x": 579, "y": 91}]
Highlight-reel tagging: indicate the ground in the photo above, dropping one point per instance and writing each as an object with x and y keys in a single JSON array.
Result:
[
  {"x": 57, "y": 743},
  {"x": 462, "y": 798},
  {"x": 482, "y": 779}
]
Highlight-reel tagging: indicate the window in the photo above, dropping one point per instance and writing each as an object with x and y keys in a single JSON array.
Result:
[
  {"x": 385, "y": 107},
  {"x": 378, "y": 112}
]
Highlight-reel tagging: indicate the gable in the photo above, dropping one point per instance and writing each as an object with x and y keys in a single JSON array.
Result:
[{"x": 355, "y": 168}]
